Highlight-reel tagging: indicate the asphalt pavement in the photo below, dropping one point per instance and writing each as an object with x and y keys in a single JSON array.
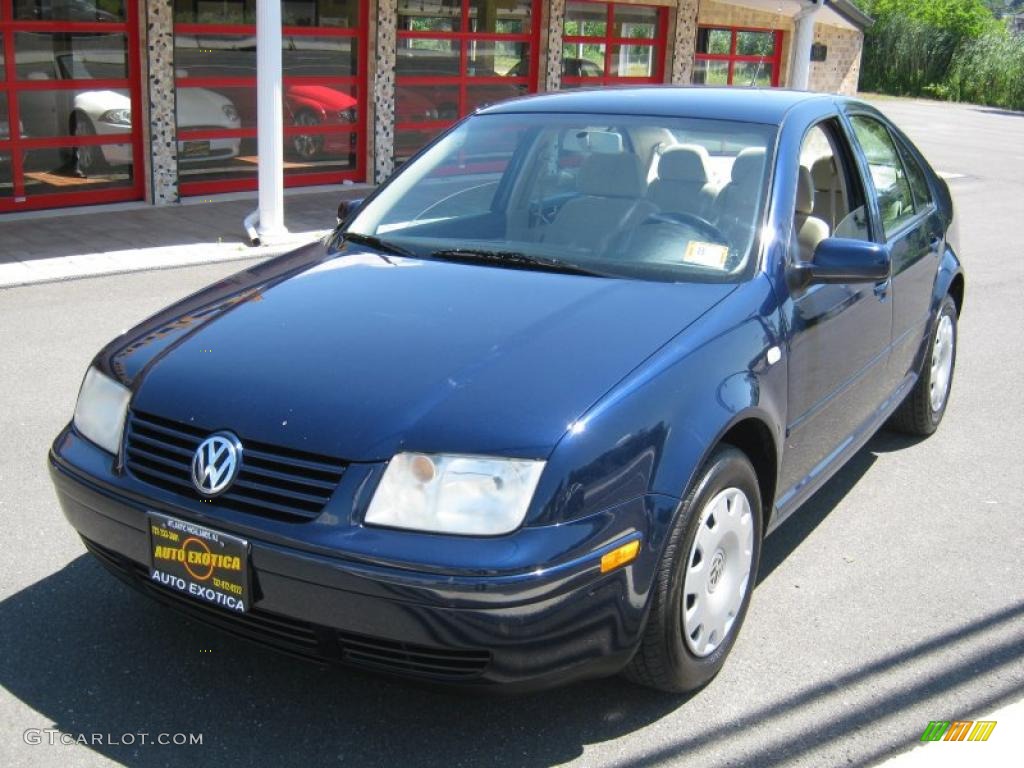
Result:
[{"x": 894, "y": 597}]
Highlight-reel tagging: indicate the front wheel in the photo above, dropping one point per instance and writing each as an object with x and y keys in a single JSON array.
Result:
[
  {"x": 925, "y": 406},
  {"x": 705, "y": 578}
]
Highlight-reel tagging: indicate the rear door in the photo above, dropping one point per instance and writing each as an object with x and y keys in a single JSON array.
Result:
[{"x": 913, "y": 230}]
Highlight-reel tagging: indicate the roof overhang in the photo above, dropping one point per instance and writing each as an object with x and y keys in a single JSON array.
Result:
[{"x": 837, "y": 13}]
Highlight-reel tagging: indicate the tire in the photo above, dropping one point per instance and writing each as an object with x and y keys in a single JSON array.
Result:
[
  {"x": 666, "y": 659},
  {"x": 921, "y": 413},
  {"x": 87, "y": 159},
  {"x": 307, "y": 146}
]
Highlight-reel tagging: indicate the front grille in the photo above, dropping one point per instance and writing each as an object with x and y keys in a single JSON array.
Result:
[
  {"x": 273, "y": 481},
  {"x": 300, "y": 638}
]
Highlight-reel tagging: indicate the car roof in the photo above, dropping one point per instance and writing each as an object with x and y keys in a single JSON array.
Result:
[{"x": 750, "y": 105}]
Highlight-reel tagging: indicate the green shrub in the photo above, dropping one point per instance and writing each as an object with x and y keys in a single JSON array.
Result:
[{"x": 989, "y": 70}]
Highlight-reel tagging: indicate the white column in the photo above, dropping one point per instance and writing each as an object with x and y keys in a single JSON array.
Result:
[
  {"x": 803, "y": 39},
  {"x": 269, "y": 119}
]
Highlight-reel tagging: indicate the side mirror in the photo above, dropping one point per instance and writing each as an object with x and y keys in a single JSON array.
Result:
[
  {"x": 348, "y": 208},
  {"x": 842, "y": 260}
]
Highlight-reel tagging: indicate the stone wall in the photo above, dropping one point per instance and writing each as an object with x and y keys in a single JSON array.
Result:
[
  {"x": 384, "y": 90},
  {"x": 159, "y": 93},
  {"x": 840, "y": 71},
  {"x": 683, "y": 40}
]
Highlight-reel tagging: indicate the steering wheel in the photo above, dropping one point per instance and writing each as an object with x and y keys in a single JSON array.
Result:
[{"x": 691, "y": 220}]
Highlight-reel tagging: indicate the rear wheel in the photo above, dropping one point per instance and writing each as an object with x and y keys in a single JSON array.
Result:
[
  {"x": 88, "y": 158},
  {"x": 925, "y": 406},
  {"x": 703, "y": 584}
]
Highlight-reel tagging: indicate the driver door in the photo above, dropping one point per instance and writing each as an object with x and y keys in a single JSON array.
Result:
[{"x": 839, "y": 334}]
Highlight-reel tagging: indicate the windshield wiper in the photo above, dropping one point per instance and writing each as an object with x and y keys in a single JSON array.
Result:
[
  {"x": 386, "y": 246},
  {"x": 513, "y": 259}
]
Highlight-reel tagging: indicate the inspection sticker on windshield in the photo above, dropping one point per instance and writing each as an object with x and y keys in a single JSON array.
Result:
[
  {"x": 706, "y": 254},
  {"x": 207, "y": 565}
]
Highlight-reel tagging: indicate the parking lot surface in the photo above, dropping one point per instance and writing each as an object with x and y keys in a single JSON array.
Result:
[{"x": 893, "y": 598}]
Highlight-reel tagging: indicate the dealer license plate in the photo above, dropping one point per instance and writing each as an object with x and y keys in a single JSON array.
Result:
[{"x": 205, "y": 564}]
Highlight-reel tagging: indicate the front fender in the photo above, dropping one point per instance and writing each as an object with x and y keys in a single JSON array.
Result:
[{"x": 654, "y": 430}]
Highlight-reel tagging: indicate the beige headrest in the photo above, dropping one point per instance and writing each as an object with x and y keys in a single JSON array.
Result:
[
  {"x": 748, "y": 165},
  {"x": 823, "y": 172},
  {"x": 610, "y": 175},
  {"x": 805, "y": 193},
  {"x": 685, "y": 162}
]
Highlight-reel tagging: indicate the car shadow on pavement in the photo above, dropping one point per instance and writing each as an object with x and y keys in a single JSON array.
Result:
[
  {"x": 801, "y": 524},
  {"x": 93, "y": 657}
]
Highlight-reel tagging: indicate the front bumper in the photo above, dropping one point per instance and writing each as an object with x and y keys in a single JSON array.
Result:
[{"x": 525, "y": 629}]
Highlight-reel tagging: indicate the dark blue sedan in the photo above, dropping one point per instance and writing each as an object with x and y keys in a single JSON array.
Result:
[{"x": 528, "y": 413}]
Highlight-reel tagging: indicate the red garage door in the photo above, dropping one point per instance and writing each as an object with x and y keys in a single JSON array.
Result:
[
  {"x": 324, "y": 91},
  {"x": 69, "y": 103},
  {"x": 456, "y": 56},
  {"x": 613, "y": 44},
  {"x": 738, "y": 56}
]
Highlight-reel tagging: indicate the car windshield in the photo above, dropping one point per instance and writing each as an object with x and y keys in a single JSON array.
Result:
[{"x": 675, "y": 199}]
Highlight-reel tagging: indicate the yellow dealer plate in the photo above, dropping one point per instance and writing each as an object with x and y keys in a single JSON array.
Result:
[{"x": 205, "y": 564}]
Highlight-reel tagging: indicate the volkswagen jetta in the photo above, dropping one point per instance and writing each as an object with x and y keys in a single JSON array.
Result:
[{"x": 528, "y": 413}]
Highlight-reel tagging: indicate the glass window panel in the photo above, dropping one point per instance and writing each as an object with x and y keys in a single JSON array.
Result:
[
  {"x": 429, "y": 16},
  {"x": 583, "y": 59},
  {"x": 6, "y": 183},
  {"x": 217, "y": 160},
  {"x": 205, "y": 55},
  {"x": 634, "y": 21},
  {"x": 319, "y": 105},
  {"x": 215, "y": 11},
  {"x": 3, "y": 62},
  {"x": 752, "y": 73},
  {"x": 755, "y": 43},
  {"x": 105, "y": 112},
  {"x": 63, "y": 55},
  {"x": 70, "y": 10},
  {"x": 77, "y": 169},
  {"x": 318, "y": 152},
  {"x": 320, "y": 13},
  {"x": 409, "y": 142},
  {"x": 486, "y": 58},
  {"x": 511, "y": 17},
  {"x": 427, "y": 57},
  {"x": 710, "y": 72},
  {"x": 482, "y": 95},
  {"x": 217, "y": 108},
  {"x": 425, "y": 103},
  {"x": 895, "y": 199},
  {"x": 633, "y": 60},
  {"x": 319, "y": 56},
  {"x": 5, "y": 125},
  {"x": 918, "y": 182},
  {"x": 715, "y": 41},
  {"x": 590, "y": 19}
]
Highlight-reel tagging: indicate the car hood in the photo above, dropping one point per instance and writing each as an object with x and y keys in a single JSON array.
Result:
[
  {"x": 360, "y": 357},
  {"x": 327, "y": 98},
  {"x": 201, "y": 107}
]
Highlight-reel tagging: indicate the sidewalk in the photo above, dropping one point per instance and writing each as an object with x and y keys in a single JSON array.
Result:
[{"x": 85, "y": 242}]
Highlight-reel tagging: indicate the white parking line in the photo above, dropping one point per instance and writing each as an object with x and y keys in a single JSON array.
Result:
[{"x": 949, "y": 175}]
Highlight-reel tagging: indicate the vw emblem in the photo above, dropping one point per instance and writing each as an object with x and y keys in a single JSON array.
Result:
[{"x": 215, "y": 463}]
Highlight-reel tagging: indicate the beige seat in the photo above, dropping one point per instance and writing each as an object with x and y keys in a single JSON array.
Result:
[
  {"x": 828, "y": 191},
  {"x": 808, "y": 228},
  {"x": 734, "y": 208},
  {"x": 611, "y": 202},
  {"x": 681, "y": 185}
]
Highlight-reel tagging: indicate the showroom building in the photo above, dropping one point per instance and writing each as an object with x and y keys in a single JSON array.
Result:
[{"x": 118, "y": 100}]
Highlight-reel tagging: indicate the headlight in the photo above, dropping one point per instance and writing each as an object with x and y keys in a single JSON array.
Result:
[
  {"x": 101, "y": 410},
  {"x": 230, "y": 112},
  {"x": 454, "y": 494},
  {"x": 117, "y": 117}
]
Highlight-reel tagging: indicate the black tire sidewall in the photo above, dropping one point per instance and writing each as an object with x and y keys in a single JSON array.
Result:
[{"x": 728, "y": 467}]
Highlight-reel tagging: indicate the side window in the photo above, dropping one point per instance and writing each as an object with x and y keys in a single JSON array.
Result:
[
  {"x": 918, "y": 181},
  {"x": 830, "y": 198},
  {"x": 895, "y": 199}
]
